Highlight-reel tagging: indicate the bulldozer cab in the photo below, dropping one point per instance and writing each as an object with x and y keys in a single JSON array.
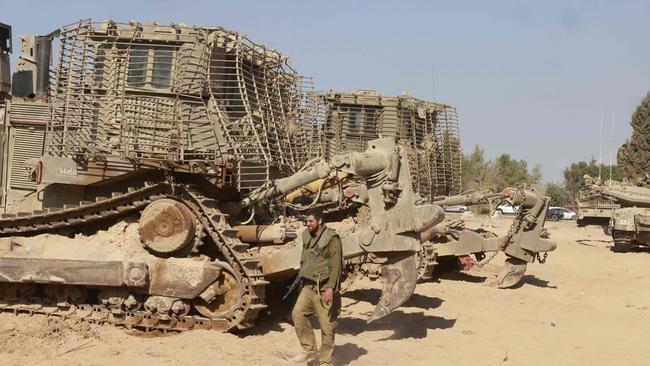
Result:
[
  {"x": 23, "y": 120},
  {"x": 428, "y": 131}
]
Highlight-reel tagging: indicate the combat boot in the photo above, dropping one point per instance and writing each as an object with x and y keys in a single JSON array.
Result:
[{"x": 305, "y": 356}]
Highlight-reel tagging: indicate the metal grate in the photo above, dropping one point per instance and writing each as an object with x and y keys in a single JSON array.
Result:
[
  {"x": 255, "y": 94},
  {"x": 307, "y": 128},
  {"x": 588, "y": 200},
  {"x": 27, "y": 143},
  {"x": 428, "y": 131},
  {"x": 176, "y": 95},
  {"x": 29, "y": 112},
  {"x": 131, "y": 91}
]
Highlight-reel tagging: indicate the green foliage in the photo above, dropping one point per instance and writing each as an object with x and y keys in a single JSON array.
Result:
[
  {"x": 475, "y": 171},
  {"x": 511, "y": 172},
  {"x": 558, "y": 194},
  {"x": 634, "y": 155},
  {"x": 481, "y": 174},
  {"x": 574, "y": 175}
]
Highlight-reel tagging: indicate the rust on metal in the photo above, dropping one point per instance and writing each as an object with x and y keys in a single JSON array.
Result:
[
  {"x": 166, "y": 226},
  {"x": 220, "y": 299}
]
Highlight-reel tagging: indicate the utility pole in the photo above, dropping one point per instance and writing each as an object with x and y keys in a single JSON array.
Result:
[
  {"x": 433, "y": 82},
  {"x": 611, "y": 149},
  {"x": 600, "y": 144}
]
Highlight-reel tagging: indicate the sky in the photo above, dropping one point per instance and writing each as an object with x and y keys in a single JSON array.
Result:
[{"x": 529, "y": 79}]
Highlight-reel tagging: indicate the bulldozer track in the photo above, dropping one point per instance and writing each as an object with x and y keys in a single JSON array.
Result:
[
  {"x": 104, "y": 209},
  {"x": 99, "y": 314},
  {"x": 623, "y": 241},
  {"x": 426, "y": 262}
]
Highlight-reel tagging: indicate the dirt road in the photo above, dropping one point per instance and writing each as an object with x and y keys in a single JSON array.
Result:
[{"x": 586, "y": 305}]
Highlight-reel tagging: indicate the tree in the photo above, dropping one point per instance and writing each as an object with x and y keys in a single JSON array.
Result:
[
  {"x": 511, "y": 172},
  {"x": 475, "y": 171},
  {"x": 536, "y": 175},
  {"x": 558, "y": 194},
  {"x": 481, "y": 174},
  {"x": 634, "y": 155}
]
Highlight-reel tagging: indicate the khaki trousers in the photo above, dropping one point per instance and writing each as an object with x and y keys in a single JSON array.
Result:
[{"x": 309, "y": 303}]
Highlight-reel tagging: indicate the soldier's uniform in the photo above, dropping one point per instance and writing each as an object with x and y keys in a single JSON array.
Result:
[{"x": 323, "y": 273}]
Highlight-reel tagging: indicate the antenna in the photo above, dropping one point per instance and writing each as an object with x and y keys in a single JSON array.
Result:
[
  {"x": 611, "y": 149},
  {"x": 600, "y": 144},
  {"x": 433, "y": 83}
]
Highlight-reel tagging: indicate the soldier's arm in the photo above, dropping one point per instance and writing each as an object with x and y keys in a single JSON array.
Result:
[{"x": 336, "y": 258}]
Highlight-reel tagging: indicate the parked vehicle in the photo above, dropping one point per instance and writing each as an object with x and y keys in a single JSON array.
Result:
[
  {"x": 554, "y": 213},
  {"x": 572, "y": 208},
  {"x": 566, "y": 213},
  {"x": 456, "y": 208},
  {"x": 507, "y": 209}
]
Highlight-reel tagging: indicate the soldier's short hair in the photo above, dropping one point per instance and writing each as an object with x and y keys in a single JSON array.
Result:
[{"x": 316, "y": 212}]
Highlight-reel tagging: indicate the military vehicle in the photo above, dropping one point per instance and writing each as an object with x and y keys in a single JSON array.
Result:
[
  {"x": 629, "y": 220},
  {"x": 594, "y": 208},
  {"x": 527, "y": 230},
  {"x": 156, "y": 175},
  {"x": 428, "y": 131},
  {"x": 429, "y": 134}
]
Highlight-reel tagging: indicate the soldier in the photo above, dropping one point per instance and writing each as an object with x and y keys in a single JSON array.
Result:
[{"x": 321, "y": 263}]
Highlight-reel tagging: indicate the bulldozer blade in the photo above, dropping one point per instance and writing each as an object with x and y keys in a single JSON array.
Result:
[
  {"x": 511, "y": 273},
  {"x": 399, "y": 278}
]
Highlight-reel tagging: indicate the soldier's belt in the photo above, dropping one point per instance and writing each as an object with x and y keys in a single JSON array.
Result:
[{"x": 313, "y": 284}]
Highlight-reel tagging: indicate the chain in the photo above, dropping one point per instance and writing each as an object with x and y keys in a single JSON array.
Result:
[
  {"x": 514, "y": 227},
  {"x": 541, "y": 259},
  {"x": 487, "y": 259}
]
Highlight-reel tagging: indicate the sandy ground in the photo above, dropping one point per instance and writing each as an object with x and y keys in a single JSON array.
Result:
[{"x": 586, "y": 305}]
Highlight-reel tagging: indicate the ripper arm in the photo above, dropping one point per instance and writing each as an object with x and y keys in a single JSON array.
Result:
[{"x": 524, "y": 239}]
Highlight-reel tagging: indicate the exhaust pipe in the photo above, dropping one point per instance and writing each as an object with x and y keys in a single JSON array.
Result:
[{"x": 43, "y": 55}]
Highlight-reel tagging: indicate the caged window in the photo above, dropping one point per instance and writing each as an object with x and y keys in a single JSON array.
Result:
[
  {"x": 162, "y": 68},
  {"x": 354, "y": 123},
  {"x": 370, "y": 127},
  {"x": 150, "y": 67},
  {"x": 362, "y": 121},
  {"x": 138, "y": 60}
]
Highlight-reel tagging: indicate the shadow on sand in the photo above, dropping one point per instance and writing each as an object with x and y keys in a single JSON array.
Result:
[
  {"x": 371, "y": 295},
  {"x": 403, "y": 325},
  {"x": 462, "y": 276},
  {"x": 267, "y": 323},
  {"x": 534, "y": 281},
  {"x": 586, "y": 242},
  {"x": 277, "y": 313},
  {"x": 344, "y": 354},
  {"x": 609, "y": 245},
  {"x": 640, "y": 250}
]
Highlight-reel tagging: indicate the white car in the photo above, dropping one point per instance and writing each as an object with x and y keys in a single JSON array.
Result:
[
  {"x": 507, "y": 209},
  {"x": 458, "y": 208},
  {"x": 566, "y": 213}
]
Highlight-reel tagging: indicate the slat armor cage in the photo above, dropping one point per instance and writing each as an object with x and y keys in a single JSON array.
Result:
[
  {"x": 172, "y": 94},
  {"x": 428, "y": 131}
]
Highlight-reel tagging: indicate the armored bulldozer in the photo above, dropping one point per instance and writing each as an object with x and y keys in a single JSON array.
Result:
[
  {"x": 170, "y": 124},
  {"x": 429, "y": 134},
  {"x": 428, "y": 131},
  {"x": 155, "y": 178},
  {"x": 629, "y": 220}
]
